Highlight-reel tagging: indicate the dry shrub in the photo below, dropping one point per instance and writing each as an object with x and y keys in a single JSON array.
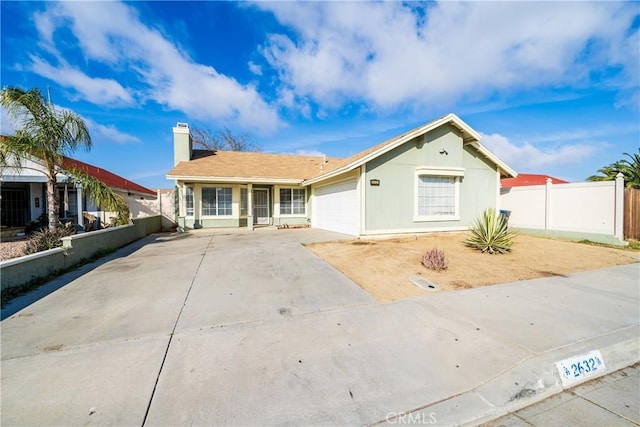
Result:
[
  {"x": 435, "y": 260},
  {"x": 48, "y": 239}
]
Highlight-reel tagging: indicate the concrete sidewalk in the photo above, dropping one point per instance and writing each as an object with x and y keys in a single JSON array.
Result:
[
  {"x": 608, "y": 401},
  {"x": 252, "y": 329}
]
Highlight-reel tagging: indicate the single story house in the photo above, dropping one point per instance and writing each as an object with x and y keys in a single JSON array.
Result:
[
  {"x": 524, "y": 179},
  {"x": 436, "y": 177},
  {"x": 24, "y": 193}
]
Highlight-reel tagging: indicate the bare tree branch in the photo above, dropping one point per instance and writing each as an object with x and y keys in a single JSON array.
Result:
[{"x": 223, "y": 139}]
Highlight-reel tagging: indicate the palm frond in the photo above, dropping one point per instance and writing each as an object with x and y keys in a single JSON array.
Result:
[
  {"x": 44, "y": 132},
  {"x": 102, "y": 194},
  {"x": 630, "y": 169}
]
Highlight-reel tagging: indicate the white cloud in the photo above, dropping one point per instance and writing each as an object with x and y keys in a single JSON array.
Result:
[
  {"x": 107, "y": 132},
  {"x": 95, "y": 90},
  {"x": 255, "y": 68},
  {"x": 111, "y": 33},
  {"x": 531, "y": 157},
  {"x": 110, "y": 133},
  {"x": 393, "y": 54}
]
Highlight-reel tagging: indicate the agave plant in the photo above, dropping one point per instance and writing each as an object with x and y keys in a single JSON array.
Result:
[{"x": 491, "y": 234}]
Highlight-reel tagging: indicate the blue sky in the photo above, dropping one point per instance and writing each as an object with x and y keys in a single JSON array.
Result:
[{"x": 553, "y": 87}]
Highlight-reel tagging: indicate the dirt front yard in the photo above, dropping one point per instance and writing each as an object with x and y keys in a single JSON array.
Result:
[{"x": 383, "y": 267}]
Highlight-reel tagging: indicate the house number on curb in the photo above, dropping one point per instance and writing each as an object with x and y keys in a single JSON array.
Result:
[{"x": 577, "y": 368}]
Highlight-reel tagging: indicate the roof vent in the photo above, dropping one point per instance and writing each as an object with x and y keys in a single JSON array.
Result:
[{"x": 182, "y": 125}]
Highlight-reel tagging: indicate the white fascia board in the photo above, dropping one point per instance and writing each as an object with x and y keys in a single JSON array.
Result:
[
  {"x": 339, "y": 171},
  {"x": 449, "y": 118},
  {"x": 24, "y": 178},
  {"x": 439, "y": 170},
  {"x": 241, "y": 180},
  {"x": 489, "y": 155}
]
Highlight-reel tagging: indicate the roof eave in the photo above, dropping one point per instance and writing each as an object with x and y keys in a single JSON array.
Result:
[
  {"x": 470, "y": 135},
  {"x": 236, "y": 179},
  {"x": 506, "y": 169}
]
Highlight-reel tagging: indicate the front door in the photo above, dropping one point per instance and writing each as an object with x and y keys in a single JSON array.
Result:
[{"x": 261, "y": 206}]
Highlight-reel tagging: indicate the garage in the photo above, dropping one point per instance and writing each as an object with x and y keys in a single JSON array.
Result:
[{"x": 336, "y": 207}]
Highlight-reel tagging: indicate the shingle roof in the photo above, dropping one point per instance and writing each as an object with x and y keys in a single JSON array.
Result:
[
  {"x": 360, "y": 155},
  {"x": 108, "y": 178},
  {"x": 233, "y": 164},
  {"x": 469, "y": 136},
  {"x": 237, "y": 164}
]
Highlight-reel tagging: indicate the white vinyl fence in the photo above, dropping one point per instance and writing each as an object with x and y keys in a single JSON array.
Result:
[{"x": 590, "y": 210}]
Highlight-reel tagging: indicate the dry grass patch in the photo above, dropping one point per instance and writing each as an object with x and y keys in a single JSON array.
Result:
[{"x": 383, "y": 267}]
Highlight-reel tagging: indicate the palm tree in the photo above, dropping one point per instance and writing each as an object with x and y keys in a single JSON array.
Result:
[
  {"x": 630, "y": 169},
  {"x": 49, "y": 134}
]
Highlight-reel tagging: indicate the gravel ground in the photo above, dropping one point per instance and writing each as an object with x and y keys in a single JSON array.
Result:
[{"x": 10, "y": 250}]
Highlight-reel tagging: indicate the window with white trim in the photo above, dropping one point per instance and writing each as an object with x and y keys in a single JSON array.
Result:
[
  {"x": 243, "y": 201},
  {"x": 292, "y": 201},
  {"x": 437, "y": 194},
  {"x": 216, "y": 201},
  {"x": 188, "y": 200}
]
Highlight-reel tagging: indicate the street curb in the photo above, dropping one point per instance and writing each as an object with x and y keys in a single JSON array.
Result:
[{"x": 529, "y": 382}]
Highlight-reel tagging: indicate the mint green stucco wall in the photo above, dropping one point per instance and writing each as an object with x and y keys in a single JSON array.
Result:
[
  {"x": 291, "y": 220},
  {"x": 197, "y": 221},
  {"x": 192, "y": 223},
  {"x": 390, "y": 206}
]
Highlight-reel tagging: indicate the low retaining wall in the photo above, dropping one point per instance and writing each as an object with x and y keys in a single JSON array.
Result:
[{"x": 76, "y": 248}]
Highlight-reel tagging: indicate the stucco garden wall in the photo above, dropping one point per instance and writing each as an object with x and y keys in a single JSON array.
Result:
[{"x": 76, "y": 248}]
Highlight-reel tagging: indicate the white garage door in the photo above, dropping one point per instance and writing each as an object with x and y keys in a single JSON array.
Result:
[{"x": 336, "y": 208}]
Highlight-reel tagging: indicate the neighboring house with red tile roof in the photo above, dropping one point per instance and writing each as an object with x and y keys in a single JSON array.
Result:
[
  {"x": 24, "y": 197},
  {"x": 432, "y": 178},
  {"x": 110, "y": 179},
  {"x": 530, "y": 179}
]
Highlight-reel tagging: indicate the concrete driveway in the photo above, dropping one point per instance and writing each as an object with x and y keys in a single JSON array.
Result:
[
  {"x": 252, "y": 329},
  {"x": 98, "y": 343}
]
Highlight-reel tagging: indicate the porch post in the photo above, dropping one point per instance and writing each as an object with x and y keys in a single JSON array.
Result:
[
  {"x": 79, "y": 204},
  {"x": 250, "y": 207}
]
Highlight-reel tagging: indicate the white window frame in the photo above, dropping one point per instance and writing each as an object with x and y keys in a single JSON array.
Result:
[
  {"x": 186, "y": 201},
  {"x": 456, "y": 173},
  {"x": 304, "y": 204},
  {"x": 216, "y": 215},
  {"x": 244, "y": 201}
]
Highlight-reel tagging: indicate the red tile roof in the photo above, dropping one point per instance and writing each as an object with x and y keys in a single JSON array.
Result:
[
  {"x": 530, "y": 179},
  {"x": 108, "y": 178}
]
